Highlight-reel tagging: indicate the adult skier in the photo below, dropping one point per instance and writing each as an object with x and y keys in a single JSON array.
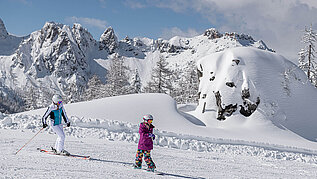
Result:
[
  {"x": 145, "y": 143},
  {"x": 56, "y": 111}
]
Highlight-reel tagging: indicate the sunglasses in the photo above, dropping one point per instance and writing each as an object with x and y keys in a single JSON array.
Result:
[{"x": 59, "y": 102}]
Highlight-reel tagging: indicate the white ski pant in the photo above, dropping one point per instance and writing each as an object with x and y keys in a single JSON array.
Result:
[{"x": 59, "y": 144}]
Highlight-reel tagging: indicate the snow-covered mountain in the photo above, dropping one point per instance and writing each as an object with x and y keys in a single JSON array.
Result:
[{"x": 59, "y": 58}]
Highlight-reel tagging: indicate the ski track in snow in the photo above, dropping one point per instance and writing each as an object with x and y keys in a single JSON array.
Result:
[{"x": 124, "y": 131}]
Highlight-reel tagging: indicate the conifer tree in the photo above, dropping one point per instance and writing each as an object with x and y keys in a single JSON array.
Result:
[
  {"x": 307, "y": 60},
  {"x": 187, "y": 85},
  {"x": 160, "y": 79},
  {"x": 95, "y": 89},
  {"x": 117, "y": 79},
  {"x": 136, "y": 82}
]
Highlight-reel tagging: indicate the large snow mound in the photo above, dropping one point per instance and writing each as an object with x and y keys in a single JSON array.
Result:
[
  {"x": 131, "y": 108},
  {"x": 266, "y": 87}
]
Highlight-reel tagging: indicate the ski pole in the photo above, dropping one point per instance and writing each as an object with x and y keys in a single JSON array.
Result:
[{"x": 28, "y": 141}]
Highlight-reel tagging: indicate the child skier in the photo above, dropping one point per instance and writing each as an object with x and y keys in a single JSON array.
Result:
[
  {"x": 56, "y": 111},
  {"x": 145, "y": 143}
]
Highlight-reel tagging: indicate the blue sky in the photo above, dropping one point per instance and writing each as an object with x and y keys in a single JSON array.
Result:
[
  {"x": 21, "y": 17},
  {"x": 279, "y": 23}
]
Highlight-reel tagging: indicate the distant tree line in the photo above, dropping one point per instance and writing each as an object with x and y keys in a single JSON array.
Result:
[{"x": 181, "y": 84}]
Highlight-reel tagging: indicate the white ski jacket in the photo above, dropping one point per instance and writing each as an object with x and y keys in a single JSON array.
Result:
[{"x": 56, "y": 114}]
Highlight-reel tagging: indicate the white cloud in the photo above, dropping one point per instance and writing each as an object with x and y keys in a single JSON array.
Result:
[
  {"x": 85, "y": 21},
  {"x": 311, "y": 3},
  {"x": 171, "y": 32}
]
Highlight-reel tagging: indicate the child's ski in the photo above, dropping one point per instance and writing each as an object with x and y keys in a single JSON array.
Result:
[
  {"x": 155, "y": 172},
  {"x": 71, "y": 155},
  {"x": 150, "y": 171}
]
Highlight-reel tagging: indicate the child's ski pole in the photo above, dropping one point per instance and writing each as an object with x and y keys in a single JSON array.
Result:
[{"x": 28, "y": 141}]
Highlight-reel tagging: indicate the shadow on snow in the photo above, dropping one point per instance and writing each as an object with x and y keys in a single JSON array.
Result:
[{"x": 130, "y": 164}]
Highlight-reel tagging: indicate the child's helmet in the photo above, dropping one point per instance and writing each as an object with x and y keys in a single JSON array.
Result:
[
  {"x": 56, "y": 98},
  {"x": 148, "y": 117}
]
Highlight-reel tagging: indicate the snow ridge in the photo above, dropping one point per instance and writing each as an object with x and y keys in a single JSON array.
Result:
[{"x": 125, "y": 131}]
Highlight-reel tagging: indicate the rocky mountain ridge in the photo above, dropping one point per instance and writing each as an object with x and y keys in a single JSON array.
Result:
[{"x": 61, "y": 59}]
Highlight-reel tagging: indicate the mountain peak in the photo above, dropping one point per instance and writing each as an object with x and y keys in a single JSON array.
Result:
[
  {"x": 3, "y": 30},
  {"x": 52, "y": 25},
  {"x": 108, "y": 33},
  {"x": 212, "y": 33},
  {"x": 108, "y": 40}
]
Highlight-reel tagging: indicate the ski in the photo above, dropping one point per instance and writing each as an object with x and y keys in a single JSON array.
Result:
[
  {"x": 144, "y": 169},
  {"x": 154, "y": 172},
  {"x": 71, "y": 155}
]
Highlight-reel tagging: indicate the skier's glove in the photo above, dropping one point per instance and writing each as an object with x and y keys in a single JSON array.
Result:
[
  {"x": 152, "y": 135},
  {"x": 68, "y": 124},
  {"x": 44, "y": 125}
]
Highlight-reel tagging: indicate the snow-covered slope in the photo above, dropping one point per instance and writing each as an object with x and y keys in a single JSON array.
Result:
[
  {"x": 113, "y": 159},
  {"x": 169, "y": 122},
  {"x": 255, "y": 87},
  {"x": 184, "y": 147}
]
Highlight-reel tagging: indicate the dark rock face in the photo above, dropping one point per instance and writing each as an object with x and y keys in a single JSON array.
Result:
[
  {"x": 164, "y": 46},
  {"x": 248, "y": 107},
  {"x": 212, "y": 33},
  {"x": 227, "y": 110},
  {"x": 231, "y": 84}
]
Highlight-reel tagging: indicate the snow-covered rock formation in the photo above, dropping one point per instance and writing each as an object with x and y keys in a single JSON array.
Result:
[
  {"x": 243, "y": 85},
  {"x": 108, "y": 41}
]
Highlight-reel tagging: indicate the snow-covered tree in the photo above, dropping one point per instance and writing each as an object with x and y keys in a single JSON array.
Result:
[
  {"x": 31, "y": 96},
  {"x": 36, "y": 96},
  {"x": 187, "y": 85},
  {"x": 117, "y": 79},
  {"x": 73, "y": 93},
  {"x": 307, "y": 60},
  {"x": 161, "y": 78},
  {"x": 136, "y": 82},
  {"x": 11, "y": 101},
  {"x": 95, "y": 89}
]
